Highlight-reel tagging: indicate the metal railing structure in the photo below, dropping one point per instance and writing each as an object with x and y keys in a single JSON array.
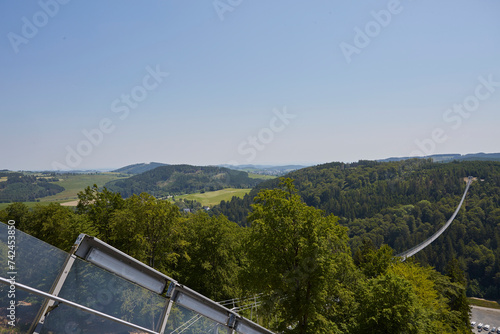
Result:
[
  {"x": 243, "y": 304},
  {"x": 98, "y": 289},
  {"x": 414, "y": 250}
]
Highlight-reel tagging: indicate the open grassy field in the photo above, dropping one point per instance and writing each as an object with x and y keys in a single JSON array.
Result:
[
  {"x": 261, "y": 176},
  {"x": 73, "y": 184},
  {"x": 484, "y": 303},
  {"x": 212, "y": 198}
]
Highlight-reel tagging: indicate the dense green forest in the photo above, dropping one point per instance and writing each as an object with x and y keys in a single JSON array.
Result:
[
  {"x": 403, "y": 203},
  {"x": 18, "y": 187},
  {"x": 295, "y": 256},
  {"x": 182, "y": 179}
]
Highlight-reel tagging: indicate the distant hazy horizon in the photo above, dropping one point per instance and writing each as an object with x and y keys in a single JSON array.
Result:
[
  {"x": 90, "y": 85},
  {"x": 303, "y": 164}
]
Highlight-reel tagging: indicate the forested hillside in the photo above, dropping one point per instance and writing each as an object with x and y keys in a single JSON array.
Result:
[
  {"x": 17, "y": 187},
  {"x": 295, "y": 259},
  {"x": 139, "y": 168},
  {"x": 182, "y": 179},
  {"x": 403, "y": 203}
]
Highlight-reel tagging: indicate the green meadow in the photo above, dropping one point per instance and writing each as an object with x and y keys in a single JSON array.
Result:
[
  {"x": 484, "y": 303},
  {"x": 212, "y": 198},
  {"x": 73, "y": 184},
  {"x": 261, "y": 176}
]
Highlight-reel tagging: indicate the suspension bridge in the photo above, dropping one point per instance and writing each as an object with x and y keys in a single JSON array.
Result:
[{"x": 414, "y": 250}]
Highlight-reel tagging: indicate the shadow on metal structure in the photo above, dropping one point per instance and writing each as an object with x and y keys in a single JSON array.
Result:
[{"x": 98, "y": 289}]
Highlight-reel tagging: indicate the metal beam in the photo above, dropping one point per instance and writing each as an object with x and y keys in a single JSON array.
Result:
[{"x": 75, "y": 305}]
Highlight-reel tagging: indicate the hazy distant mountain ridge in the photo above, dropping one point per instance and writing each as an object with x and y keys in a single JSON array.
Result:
[
  {"x": 274, "y": 170},
  {"x": 452, "y": 157},
  {"x": 139, "y": 168},
  {"x": 182, "y": 179}
]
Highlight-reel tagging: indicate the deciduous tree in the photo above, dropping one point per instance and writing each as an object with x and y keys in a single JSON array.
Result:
[{"x": 299, "y": 259}]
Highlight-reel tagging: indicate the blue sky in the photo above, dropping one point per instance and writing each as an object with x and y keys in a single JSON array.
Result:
[{"x": 103, "y": 84}]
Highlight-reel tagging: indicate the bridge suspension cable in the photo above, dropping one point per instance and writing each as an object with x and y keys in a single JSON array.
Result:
[{"x": 421, "y": 246}]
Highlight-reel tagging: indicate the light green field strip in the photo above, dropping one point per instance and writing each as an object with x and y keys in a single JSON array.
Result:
[
  {"x": 212, "y": 198},
  {"x": 73, "y": 184},
  {"x": 261, "y": 176},
  {"x": 484, "y": 303}
]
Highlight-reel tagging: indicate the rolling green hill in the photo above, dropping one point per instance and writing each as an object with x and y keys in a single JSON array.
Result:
[
  {"x": 139, "y": 168},
  {"x": 67, "y": 184},
  {"x": 74, "y": 183},
  {"x": 182, "y": 179},
  {"x": 403, "y": 203},
  {"x": 19, "y": 187}
]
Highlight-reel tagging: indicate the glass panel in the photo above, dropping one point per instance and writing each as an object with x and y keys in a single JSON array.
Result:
[
  {"x": 36, "y": 263},
  {"x": 33, "y": 263},
  {"x": 23, "y": 314},
  {"x": 185, "y": 321},
  {"x": 65, "y": 319},
  {"x": 103, "y": 291}
]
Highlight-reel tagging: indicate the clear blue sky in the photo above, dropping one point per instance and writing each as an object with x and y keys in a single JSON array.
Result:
[{"x": 102, "y": 84}]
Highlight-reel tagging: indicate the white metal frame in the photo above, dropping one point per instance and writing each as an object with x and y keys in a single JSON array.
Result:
[{"x": 173, "y": 292}]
